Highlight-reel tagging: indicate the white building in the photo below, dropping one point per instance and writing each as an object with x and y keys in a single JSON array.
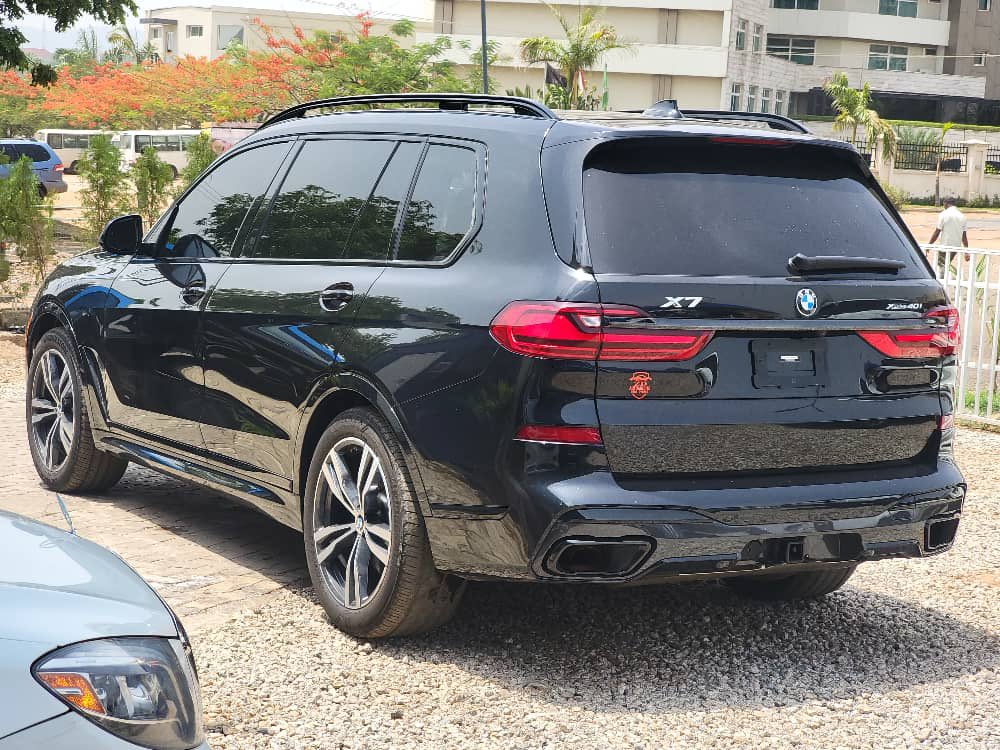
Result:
[{"x": 707, "y": 54}]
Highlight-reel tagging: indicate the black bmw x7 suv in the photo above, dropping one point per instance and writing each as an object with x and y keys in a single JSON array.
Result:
[{"x": 470, "y": 339}]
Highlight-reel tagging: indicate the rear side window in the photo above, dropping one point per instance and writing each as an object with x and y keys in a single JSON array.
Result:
[
  {"x": 372, "y": 232},
  {"x": 35, "y": 152},
  {"x": 442, "y": 207},
  {"x": 320, "y": 200},
  {"x": 731, "y": 210},
  {"x": 209, "y": 217}
]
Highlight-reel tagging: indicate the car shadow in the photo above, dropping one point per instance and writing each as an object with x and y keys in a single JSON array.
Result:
[{"x": 698, "y": 646}]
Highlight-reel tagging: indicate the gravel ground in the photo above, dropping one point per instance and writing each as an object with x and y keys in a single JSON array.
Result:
[{"x": 907, "y": 655}]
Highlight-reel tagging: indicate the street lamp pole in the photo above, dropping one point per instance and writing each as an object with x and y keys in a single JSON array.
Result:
[{"x": 486, "y": 75}]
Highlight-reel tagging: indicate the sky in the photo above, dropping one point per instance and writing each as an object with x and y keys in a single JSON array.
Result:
[{"x": 41, "y": 31}]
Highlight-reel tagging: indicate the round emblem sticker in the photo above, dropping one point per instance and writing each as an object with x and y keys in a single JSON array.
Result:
[{"x": 806, "y": 303}]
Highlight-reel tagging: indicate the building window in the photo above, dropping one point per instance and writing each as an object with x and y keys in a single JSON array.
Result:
[
  {"x": 979, "y": 59},
  {"x": 741, "y": 33},
  {"x": 930, "y": 51},
  {"x": 196, "y": 31},
  {"x": 751, "y": 98},
  {"x": 736, "y": 98},
  {"x": 765, "y": 100},
  {"x": 905, "y": 8},
  {"x": 801, "y": 51},
  {"x": 984, "y": 4},
  {"x": 229, "y": 34},
  {"x": 885, "y": 57},
  {"x": 154, "y": 32},
  {"x": 758, "y": 33},
  {"x": 795, "y": 4},
  {"x": 779, "y": 102}
]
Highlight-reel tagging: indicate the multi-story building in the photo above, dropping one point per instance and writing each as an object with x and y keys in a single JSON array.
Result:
[
  {"x": 206, "y": 30},
  {"x": 924, "y": 59}
]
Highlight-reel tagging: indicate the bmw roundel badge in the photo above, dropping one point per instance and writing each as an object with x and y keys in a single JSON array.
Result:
[{"x": 805, "y": 302}]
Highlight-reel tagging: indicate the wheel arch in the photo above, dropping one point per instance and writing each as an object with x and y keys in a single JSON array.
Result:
[
  {"x": 351, "y": 391},
  {"x": 48, "y": 314}
]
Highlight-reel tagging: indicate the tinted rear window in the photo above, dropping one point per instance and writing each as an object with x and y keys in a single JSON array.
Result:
[
  {"x": 732, "y": 210},
  {"x": 36, "y": 153}
]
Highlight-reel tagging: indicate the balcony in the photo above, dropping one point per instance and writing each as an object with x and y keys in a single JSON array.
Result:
[{"x": 854, "y": 25}]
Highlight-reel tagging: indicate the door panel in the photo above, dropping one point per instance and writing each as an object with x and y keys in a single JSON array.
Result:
[
  {"x": 153, "y": 334},
  {"x": 281, "y": 325}
]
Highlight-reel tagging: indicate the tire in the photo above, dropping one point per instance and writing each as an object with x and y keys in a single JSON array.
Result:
[
  {"x": 807, "y": 585},
  {"x": 55, "y": 412},
  {"x": 173, "y": 172},
  {"x": 389, "y": 542},
  {"x": 42, "y": 192},
  {"x": 72, "y": 168}
]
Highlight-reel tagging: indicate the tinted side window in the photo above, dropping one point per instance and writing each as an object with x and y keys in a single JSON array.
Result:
[
  {"x": 442, "y": 207},
  {"x": 320, "y": 199},
  {"x": 34, "y": 152},
  {"x": 372, "y": 231},
  {"x": 209, "y": 217},
  {"x": 55, "y": 140}
]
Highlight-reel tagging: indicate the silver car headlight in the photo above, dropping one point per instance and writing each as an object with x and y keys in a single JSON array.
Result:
[{"x": 143, "y": 690}]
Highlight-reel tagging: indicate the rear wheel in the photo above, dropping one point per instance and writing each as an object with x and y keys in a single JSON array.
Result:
[
  {"x": 59, "y": 435},
  {"x": 366, "y": 546},
  {"x": 807, "y": 585}
]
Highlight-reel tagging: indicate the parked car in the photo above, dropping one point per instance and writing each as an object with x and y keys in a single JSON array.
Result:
[
  {"x": 90, "y": 656},
  {"x": 665, "y": 347},
  {"x": 47, "y": 166},
  {"x": 69, "y": 145}
]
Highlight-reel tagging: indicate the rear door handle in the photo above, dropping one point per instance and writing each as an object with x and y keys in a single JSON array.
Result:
[
  {"x": 193, "y": 293},
  {"x": 337, "y": 296}
]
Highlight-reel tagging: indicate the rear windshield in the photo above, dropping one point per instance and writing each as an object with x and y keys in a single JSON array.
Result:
[
  {"x": 15, "y": 151},
  {"x": 732, "y": 210}
]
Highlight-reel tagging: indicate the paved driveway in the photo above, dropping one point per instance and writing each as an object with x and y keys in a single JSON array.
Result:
[{"x": 206, "y": 555}]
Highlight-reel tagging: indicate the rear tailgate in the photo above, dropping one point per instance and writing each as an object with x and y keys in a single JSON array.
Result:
[{"x": 698, "y": 237}]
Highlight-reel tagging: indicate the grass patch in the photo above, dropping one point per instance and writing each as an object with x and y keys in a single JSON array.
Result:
[{"x": 984, "y": 400}]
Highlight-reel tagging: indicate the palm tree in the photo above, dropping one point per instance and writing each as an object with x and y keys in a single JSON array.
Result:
[
  {"x": 587, "y": 41},
  {"x": 123, "y": 45},
  {"x": 854, "y": 111}
]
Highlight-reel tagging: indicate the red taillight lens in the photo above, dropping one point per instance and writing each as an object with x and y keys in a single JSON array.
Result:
[
  {"x": 946, "y": 422},
  {"x": 58, "y": 167},
  {"x": 565, "y": 434},
  {"x": 569, "y": 330},
  {"x": 919, "y": 343}
]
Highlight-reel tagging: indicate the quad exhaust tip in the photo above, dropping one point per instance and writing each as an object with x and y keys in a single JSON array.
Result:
[{"x": 585, "y": 557}]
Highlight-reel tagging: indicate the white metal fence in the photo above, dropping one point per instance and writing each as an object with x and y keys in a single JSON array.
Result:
[{"x": 972, "y": 278}]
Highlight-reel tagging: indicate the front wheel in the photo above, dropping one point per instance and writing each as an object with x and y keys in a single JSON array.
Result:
[
  {"x": 59, "y": 436},
  {"x": 366, "y": 545},
  {"x": 776, "y": 588}
]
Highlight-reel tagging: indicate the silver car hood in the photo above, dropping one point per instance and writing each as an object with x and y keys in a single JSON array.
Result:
[{"x": 57, "y": 588}]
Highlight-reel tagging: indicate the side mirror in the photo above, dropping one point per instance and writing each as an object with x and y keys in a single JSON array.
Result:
[{"x": 122, "y": 235}]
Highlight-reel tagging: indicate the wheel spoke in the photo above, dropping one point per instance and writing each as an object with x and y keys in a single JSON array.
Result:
[
  {"x": 362, "y": 557},
  {"x": 339, "y": 538},
  {"x": 42, "y": 409},
  {"x": 65, "y": 383},
  {"x": 50, "y": 444},
  {"x": 351, "y": 577},
  {"x": 339, "y": 480},
  {"x": 381, "y": 553},
  {"x": 367, "y": 480},
  {"x": 65, "y": 433},
  {"x": 48, "y": 375},
  {"x": 367, "y": 461},
  {"x": 380, "y": 531}
]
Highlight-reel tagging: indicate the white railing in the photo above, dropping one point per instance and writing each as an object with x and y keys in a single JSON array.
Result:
[{"x": 972, "y": 278}]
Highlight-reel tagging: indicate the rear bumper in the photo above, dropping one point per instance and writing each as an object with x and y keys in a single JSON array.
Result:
[
  {"x": 601, "y": 531},
  {"x": 55, "y": 185}
]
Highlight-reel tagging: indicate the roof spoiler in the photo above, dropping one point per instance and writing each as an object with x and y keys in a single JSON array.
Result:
[{"x": 455, "y": 102}]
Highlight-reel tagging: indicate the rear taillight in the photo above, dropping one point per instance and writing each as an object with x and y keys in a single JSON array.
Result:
[
  {"x": 920, "y": 343},
  {"x": 571, "y": 330},
  {"x": 58, "y": 167},
  {"x": 563, "y": 434}
]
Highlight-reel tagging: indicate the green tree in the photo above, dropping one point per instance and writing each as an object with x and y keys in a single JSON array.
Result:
[
  {"x": 126, "y": 47},
  {"x": 25, "y": 219},
  {"x": 854, "y": 112},
  {"x": 588, "y": 39},
  {"x": 104, "y": 194},
  {"x": 65, "y": 13},
  {"x": 81, "y": 57},
  {"x": 199, "y": 156},
  {"x": 152, "y": 177}
]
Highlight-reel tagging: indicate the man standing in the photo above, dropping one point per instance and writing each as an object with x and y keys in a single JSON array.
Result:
[{"x": 951, "y": 228}]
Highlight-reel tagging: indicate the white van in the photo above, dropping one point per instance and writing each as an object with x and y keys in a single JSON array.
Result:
[
  {"x": 170, "y": 145},
  {"x": 69, "y": 145}
]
